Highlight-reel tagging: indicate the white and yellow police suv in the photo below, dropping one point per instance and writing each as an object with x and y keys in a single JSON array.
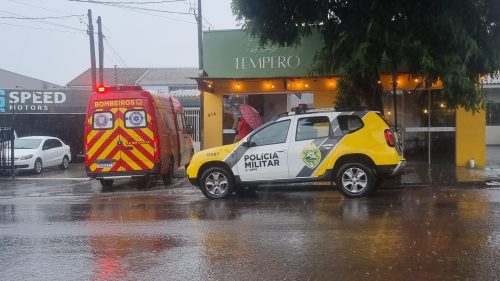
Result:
[{"x": 354, "y": 149}]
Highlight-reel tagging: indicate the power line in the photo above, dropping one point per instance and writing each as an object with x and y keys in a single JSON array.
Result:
[
  {"x": 137, "y": 3},
  {"x": 40, "y": 7},
  {"x": 47, "y": 9},
  {"x": 39, "y": 28},
  {"x": 40, "y": 18},
  {"x": 117, "y": 4},
  {"x": 114, "y": 51},
  {"x": 45, "y": 22},
  {"x": 156, "y": 15}
]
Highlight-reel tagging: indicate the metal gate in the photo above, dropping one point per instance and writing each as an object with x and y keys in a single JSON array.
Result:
[
  {"x": 6, "y": 152},
  {"x": 193, "y": 119}
]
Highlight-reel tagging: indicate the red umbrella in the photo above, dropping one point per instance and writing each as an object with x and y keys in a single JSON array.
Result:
[{"x": 250, "y": 115}]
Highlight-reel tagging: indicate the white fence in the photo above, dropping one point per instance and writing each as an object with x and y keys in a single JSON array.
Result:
[{"x": 193, "y": 119}]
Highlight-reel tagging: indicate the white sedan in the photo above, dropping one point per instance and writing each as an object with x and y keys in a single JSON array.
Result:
[{"x": 34, "y": 153}]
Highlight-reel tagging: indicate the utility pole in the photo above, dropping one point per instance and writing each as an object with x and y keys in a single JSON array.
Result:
[
  {"x": 199, "y": 20},
  {"x": 92, "y": 51},
  {"x": 100, "y": 39}
]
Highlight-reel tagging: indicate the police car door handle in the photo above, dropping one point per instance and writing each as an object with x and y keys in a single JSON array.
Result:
[
  {"x": 327, "y": 146},
  {"x": 281, "y": 151}
]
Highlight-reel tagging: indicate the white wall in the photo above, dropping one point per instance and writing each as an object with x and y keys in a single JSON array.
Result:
[{"x": 492, "y": 135}]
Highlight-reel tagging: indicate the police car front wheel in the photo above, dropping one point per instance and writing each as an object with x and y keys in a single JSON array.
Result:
[
  {"x": 216, "y": 183},
  {"x": 355, "y": 180}
]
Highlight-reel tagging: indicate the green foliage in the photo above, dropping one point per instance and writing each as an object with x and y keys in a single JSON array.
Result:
[{"x": 452, "y": 40}]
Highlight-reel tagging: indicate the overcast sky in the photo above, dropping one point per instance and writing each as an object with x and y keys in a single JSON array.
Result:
[{"x": 56, "y": 49}]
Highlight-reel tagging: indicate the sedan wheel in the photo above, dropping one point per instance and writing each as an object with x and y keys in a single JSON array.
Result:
[
  {"x": 65, "y": 163},
  {"x": 216, "y": 183},
  {"x": 38, "y": 167}
]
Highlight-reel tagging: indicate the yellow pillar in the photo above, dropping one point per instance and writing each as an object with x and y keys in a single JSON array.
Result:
[
  {"x": 470, "y": 138},
  {"x": 212, "y": 128}
]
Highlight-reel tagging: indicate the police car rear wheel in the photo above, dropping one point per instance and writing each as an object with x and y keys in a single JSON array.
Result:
[
  {"x": 217, "y": 183},
  {"x": 355, "y": 180}
]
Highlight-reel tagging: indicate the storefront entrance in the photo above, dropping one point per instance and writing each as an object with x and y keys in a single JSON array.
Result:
[
  {"x": 268, "y": 105},
  {"x": 426, "y": 123}
]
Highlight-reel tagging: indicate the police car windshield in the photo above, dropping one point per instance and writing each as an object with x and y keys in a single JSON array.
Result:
[{"x": 26, "y": 143}]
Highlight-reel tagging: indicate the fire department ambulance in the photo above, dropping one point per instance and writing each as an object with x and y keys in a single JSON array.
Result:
[
  {"x": 354, "y": 149},
  {"x": 133, "y": 133}
]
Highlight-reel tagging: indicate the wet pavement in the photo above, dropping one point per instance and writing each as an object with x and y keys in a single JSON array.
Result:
[{"x": 61, "y": 229}]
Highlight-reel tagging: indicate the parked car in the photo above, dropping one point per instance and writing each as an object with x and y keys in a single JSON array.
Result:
[
  {"x": 353, "y": 149},
  {"x": 36, "y": 152}
]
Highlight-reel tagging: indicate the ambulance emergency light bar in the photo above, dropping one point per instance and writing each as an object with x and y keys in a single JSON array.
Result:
[{"x": 104, "y": 89}]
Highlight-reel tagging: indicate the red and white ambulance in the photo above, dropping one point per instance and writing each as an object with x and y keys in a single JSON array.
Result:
[{"x": 133, "y": 133}]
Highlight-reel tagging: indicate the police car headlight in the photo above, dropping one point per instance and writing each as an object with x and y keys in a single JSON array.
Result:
[{"x": 26, "y": 157}]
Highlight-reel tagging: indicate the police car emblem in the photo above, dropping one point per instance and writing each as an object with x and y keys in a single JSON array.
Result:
[
  {"x": 101, "y": 121},
  {"x": 311, "y": 155}
]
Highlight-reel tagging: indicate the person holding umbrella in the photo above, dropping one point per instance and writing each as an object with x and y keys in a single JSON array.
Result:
[{"x": 249, "y": 120}]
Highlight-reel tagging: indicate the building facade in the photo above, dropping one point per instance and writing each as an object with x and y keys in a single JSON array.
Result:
[{"x": 273, "y": 79}]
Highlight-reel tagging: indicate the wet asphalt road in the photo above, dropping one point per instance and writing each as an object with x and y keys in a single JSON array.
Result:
[{"x": 69, "y": 230}]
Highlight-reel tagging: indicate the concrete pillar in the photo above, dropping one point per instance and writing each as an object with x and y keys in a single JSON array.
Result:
[
  {"x": 470, "y": 138},
  {"x": 213, "y": 111}
]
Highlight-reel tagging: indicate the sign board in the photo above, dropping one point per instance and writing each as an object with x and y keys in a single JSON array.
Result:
[
  {"x": 235, "y": 54},
  {"x": 44, "y": 101}
]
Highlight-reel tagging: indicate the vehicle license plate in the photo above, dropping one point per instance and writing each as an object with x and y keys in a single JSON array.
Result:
[{"x": 104, "y": 165}]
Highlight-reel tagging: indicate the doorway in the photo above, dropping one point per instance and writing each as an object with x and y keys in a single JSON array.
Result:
[
  {"x": 426, "y": 124},
  {"x": 268, "y": 105}
]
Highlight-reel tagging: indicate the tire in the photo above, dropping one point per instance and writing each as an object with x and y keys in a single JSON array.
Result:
[
  {"x": 355, "y": 180},
  {"x": 106, "y": 183},
  {"x": 37, "y": 169},
  {"x": 144, "y": 183},
  {"x": 216, "y": 183},
  {"x": 65, "y": 163},
  {"x": 167, "y": 179}
]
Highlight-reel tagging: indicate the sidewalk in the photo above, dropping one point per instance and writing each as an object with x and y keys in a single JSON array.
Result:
[
  {"x": 419, "y": 173},
  {"x": 422, "y": 174}
]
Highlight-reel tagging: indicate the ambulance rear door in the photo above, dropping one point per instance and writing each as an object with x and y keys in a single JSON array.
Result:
[{"x": 136, "y": 138}]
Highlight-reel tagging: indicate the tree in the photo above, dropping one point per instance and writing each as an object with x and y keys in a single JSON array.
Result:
[{"x": 452, "y": 40}]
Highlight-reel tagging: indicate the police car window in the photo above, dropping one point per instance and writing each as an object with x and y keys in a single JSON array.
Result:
[
  {"x": 102, "y": 120},
  {"x": 350, "y": 123},
  {"x": 272, "y": 134},
  {"x": 135, "y": 119},
  {"x": 312, "y": 128}
]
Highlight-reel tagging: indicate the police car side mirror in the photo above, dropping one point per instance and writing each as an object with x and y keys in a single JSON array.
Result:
[{"x": 248, "y": 144}]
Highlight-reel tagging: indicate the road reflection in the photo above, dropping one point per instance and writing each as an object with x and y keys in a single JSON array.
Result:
[
  {"x": 119, "y": 253},
  {"x": 312, "y": 235}
]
